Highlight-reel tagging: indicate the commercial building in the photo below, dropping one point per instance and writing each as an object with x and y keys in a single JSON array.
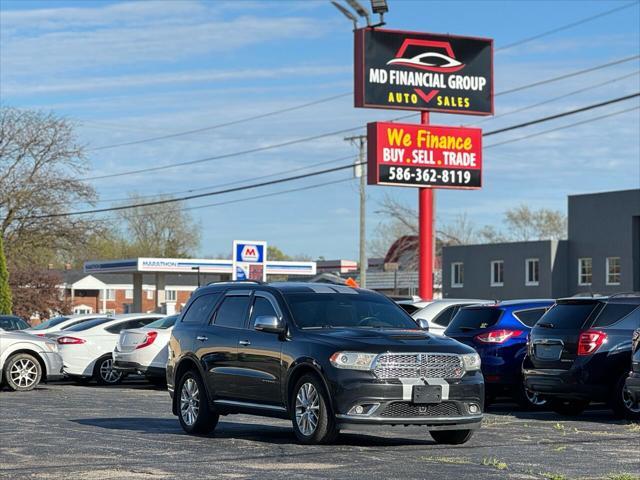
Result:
[{"x": 600, "y": 255}]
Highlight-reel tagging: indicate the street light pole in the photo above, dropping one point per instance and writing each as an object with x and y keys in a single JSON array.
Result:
[
  {"x": 361, "y": 141},
  {"x": 198, "y": 269}
]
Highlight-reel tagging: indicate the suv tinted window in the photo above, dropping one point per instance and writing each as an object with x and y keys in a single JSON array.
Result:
[
  {"x": 201, "y": 308},
  {"x": 612, "y": 312},
  {"x": 444, "y": 317},
  {"x": 232, "y": 312},
  {"x": 530, "y": 317},
  {"x": 474, "y": 319},
  {"x": 570, "y": 315},
  {"x": 261, "y": 307}
]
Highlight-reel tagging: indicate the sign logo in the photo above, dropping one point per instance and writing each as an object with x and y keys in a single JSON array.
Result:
[
  {"x": 429, "y": 59},
  {"x": 249, "y": 253}
]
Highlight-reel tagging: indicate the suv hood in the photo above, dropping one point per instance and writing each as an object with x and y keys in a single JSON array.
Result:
[{"x": 383, "y": 340}]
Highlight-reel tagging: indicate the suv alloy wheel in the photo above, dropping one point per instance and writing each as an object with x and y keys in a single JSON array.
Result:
[
  {"x": 194, "y": 411},
  {"x": 313, "y": 421},
  {"x": 23, "y": 372},
  {"x": 622, "y": 403},
  {"x": 104, "y": 372}
]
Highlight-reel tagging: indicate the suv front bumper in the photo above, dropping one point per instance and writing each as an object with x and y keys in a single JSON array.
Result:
[{"x": 390, "y": 402}]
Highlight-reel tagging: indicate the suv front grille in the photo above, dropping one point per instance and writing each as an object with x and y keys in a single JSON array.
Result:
[
  {"x": 418, "y": 365},
  {"x": 406, "y": 410}
]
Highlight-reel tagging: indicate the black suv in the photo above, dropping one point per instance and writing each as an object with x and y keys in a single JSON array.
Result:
[
  {"x": 580, "y": 351},
  {"x": 324, "y": 356},
  {"x": 633, "y": 381}
]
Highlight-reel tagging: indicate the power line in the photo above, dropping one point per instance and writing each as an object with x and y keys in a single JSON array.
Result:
[
  {"x": 220, "y": 125},
  {"x": 563, "y": 127},
  {"x": 560, "y": 115},
  {"x": 328, "y": 134},
  {"x": 565, "y": 27}
]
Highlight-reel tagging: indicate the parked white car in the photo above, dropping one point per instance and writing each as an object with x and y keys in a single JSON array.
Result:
[
  {"x": 439, "y": 313},
  {"x": 56, "y": 324},
  {"x": 145, "y": 350},
  {"x": 411, "y": 305},
  {"x": 87, "y": 347},
  {"x": 26, "y": 360}
]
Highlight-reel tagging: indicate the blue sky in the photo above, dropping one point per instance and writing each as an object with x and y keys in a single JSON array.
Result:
[{"x": 124, "y": 71}]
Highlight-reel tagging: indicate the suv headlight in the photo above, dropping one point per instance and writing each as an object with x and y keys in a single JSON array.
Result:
[
  {"x": 471, "y": 361},
  {"x": 353, "y": 360}
]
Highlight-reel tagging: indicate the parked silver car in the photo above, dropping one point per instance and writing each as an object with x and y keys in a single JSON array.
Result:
[
  {"x": 439, "y": 313},
  {"x": 26, "y": 360}
]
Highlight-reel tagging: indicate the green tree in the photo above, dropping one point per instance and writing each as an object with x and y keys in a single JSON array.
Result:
[{"x": 5, "y": 291}]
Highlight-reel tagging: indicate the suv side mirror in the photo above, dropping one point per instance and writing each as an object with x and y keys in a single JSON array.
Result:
[
  {"x": 423, "y": 324},
  {"x": 269, "y": 323}
]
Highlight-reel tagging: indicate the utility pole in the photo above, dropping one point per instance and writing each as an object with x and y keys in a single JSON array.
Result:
[{"x": 360, "y": 171}]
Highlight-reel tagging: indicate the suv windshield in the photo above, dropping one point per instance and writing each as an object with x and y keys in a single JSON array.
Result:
[
  {"x": 162, "y": 323},
  {"x": 474, "y": 318},
  {"x": 347, "y": 310},
  {"x": 568, "y": 315},
  {"x": 52, "y": 322},
  {"x": 87, "y": 325}
]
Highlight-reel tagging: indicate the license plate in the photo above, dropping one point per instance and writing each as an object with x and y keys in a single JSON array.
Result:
[
  {"x": 427, "y": 394},
  {"x": 548, "y": 352}
]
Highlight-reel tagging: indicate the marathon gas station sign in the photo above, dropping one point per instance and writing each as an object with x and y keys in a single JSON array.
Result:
[
  {"x": 423, "y": 71},
  {"x": 424, "y": 155}
]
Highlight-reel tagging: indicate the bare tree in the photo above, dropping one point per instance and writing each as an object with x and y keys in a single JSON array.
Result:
[
  {"x": 523, "y": 224},
  {"x": 40, "y": 162}
]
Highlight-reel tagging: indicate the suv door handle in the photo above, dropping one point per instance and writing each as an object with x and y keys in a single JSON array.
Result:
[
  {"x": 202, "y": 338},
  {"x": 244, "y": 343}
]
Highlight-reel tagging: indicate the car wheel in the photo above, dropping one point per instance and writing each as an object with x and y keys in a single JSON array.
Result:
[
  {"x": 622, "y": 403},
  {"x": 194, "y": 411},
  {"x": 313, "y": 421},
  {"x": 451, "y": 437},
  {"x": 22, "y": 372},
  {"x": 530, "y": 400},
  {"x": 104, "y": 372},
  {"x": 568, "y": 408}
]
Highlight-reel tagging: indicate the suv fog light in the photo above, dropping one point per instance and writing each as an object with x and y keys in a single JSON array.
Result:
[
  {"x": 474, "y": 408},
  {"x": 364, "y": 409}
]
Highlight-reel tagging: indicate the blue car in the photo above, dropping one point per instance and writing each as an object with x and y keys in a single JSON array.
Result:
[{"x": 499, "y": 332}]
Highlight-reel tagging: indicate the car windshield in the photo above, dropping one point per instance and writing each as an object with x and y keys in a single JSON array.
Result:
[
  {"x": 474, "y": 318},
  {"x": 52, "y": 322},
  {"x": 162, "y": 323},
  {"x": 347, "y": 310},
  {"x": 87, "y": 325}
]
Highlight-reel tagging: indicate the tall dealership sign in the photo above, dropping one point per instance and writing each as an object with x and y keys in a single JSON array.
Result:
[
  {"x": 423, "y": 71},
  {"x": 428, "y": 73}
]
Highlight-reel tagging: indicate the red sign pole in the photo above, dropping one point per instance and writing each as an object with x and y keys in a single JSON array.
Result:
[{"x": 425, "y": 249}]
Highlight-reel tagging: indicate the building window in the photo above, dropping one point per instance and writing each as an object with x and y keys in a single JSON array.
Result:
[
  {"x": 497, "y": 273},
  {"x": 149, "y": 294},
  {"x": 613, "y": 270},
  {"x": 128, "y": 293},
  {"x": 170, "y": 295},
  {"x": 585, "y": 270},
  {"x": 532, "y": 272},
  {"x": 457, "y": 274},
  {"x": 109, "y": 294}
]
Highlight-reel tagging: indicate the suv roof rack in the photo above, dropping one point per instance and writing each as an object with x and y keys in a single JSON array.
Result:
[
  {"x": 233, "y": 282},
  {"x": 625, "y": 295}
]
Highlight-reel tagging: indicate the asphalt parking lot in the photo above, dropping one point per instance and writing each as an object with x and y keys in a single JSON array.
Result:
[{"x": 64, "y": 430}]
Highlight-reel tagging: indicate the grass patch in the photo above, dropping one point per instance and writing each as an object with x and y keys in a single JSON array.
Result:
[
  {"x": 448, "y": 460},
  {"x": 560, "y": 448},
  {"x": 622, "y": 476},
  {"x": 495, "y": 463},
  {"x": 552, "y": 476}
]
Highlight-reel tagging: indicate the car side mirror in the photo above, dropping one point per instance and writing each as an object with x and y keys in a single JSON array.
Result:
[
  {"x": 269, "y": 324},
  {"x": 423, "y": 324}
]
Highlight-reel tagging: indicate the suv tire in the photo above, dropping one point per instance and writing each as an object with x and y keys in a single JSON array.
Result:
[
  {"x": 194, "y": 412},
  {"x": 568, "y": 408},
  {"x": 22, "y": 372},
  {"x": 529, "y": 400},
  {"x": 621, "y": 403},
  {"x": 312, "y": 418},
  {"x": 451, "y": 437}
]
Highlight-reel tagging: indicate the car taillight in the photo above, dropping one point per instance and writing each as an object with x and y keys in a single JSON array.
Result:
[
  {"x": 498, "y": 336},
  {"x": 70, "y": 340},
  {"x": 40, "y": 335},
  {"x": 149, "y": 339},
  {"x": 590, "y": 341}
]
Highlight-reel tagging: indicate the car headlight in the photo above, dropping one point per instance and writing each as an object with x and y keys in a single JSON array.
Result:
[
  {"x": 51, "y": 346},
  {"x": 353, "y": 360},
  {"x": 471, "y": 361}
]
